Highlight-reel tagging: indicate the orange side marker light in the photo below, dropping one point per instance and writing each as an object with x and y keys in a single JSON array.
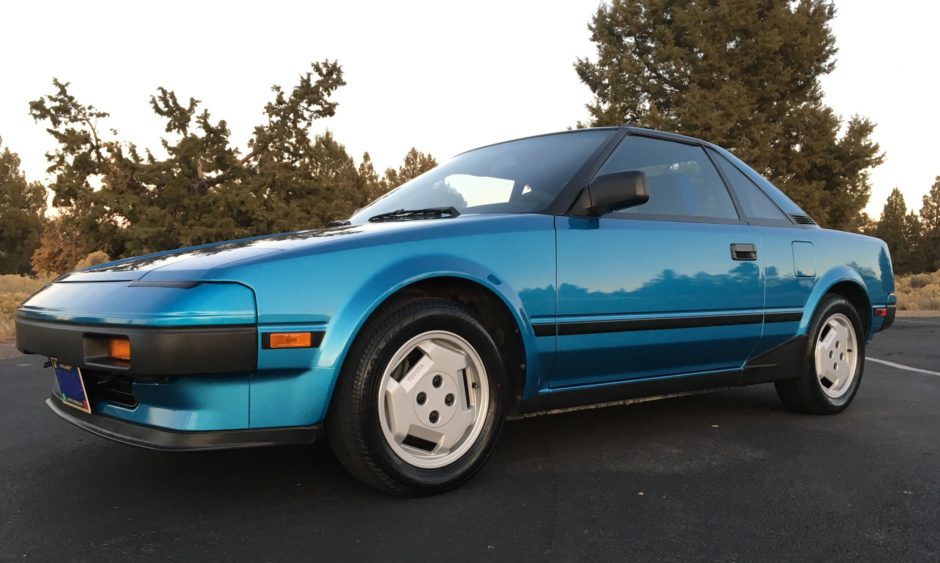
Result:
[{"x": 290, "y": 340}]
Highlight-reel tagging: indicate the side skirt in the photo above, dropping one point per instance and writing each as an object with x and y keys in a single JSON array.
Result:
[{"x": 780, "y": 362}]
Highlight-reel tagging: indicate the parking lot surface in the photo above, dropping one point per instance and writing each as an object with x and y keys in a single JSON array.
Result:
[{"x": 729, "y": 475}]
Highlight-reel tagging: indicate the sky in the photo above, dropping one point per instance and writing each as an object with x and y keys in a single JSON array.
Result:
[{"x": 441, "y": 76}]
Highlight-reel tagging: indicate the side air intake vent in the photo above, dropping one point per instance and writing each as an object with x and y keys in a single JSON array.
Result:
[{"x": 803, "y": 219}]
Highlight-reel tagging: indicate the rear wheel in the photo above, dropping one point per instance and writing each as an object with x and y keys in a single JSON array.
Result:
[
  {"x": 420, "y": 402},
  {"x": 833, "y": 361}
]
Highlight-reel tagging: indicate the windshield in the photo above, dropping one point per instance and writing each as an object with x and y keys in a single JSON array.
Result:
[{"x": 521, "y": 176}]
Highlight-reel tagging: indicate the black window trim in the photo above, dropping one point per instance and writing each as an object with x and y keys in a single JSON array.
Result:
[
  {"x": 757, "y": 222},
  {"x": 596, "y": 166}
]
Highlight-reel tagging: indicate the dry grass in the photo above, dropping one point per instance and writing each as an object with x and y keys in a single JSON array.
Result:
[
  {"x": 918, "y": 292},
  {"x": 13, "y": 291}
]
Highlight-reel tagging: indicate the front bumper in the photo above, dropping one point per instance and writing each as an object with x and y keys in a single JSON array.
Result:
[
  {"x": 155, "y": 351},
  {"x": 174, "y": 440}
]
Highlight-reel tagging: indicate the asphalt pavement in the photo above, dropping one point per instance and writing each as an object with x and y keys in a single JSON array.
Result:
[{"x": 727, "y": 476}]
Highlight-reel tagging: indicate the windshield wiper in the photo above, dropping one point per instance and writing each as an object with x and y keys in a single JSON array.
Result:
[{"x": 406, "y": 214}]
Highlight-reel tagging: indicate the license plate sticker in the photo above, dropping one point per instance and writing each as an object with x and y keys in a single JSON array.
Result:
[{"x": 71, "y": 386}]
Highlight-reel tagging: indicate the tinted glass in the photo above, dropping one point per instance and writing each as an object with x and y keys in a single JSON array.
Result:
[
  {"x": 754, "y": 202},
  {"x": 681, "y": 180},
  {"x": 521, "y": 176}
]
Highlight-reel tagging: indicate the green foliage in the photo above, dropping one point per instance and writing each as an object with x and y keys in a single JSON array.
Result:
[
  {"x": 416, "y": 163},
  {"x": 930, "y": 224},
  {"x": 22, "y": 209},
  {"x": 745, "y": 75},
  {"x": 204, "y": 189},
  {"x": 61, "y": 247},
  {"x": 902, "y": 233}
]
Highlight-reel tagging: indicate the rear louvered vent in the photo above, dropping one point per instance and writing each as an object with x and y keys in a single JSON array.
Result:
[{"x": 803, "y": 219}]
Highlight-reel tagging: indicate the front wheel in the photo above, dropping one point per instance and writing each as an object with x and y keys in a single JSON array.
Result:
[
  {"x": 833, "y": 361},
  {"x": 421, "y": 400}
]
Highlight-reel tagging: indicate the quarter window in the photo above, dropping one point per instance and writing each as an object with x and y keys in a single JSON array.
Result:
[
  {"x": 681, "y": 179},
  {"x": 754, "y": 202}
]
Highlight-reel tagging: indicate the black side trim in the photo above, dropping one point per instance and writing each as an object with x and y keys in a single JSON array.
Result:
[
  {"x": 546, "y": 329},
  {"x": 628, "y": 390},
  {"x": 628, "y": 325},
  {"x": 316, "y": 338},
  {"x": 156, "y": 439},
  {"x": 780, "y": 362},
  {"x": 783, "y": 317},
  {"x": 157, "y": 351}
]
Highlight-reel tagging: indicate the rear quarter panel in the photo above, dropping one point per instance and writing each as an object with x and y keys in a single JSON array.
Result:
[{"x": 801, "y": 265}]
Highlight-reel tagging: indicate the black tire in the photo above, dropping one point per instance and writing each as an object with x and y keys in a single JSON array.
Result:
[
  {"x": 805, "y": 393},
  {"x": 353, "y": 425}
]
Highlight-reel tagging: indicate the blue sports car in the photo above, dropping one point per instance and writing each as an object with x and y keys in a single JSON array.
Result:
[{"x": 576, "y": 268}]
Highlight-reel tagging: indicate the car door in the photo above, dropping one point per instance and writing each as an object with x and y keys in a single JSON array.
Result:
[
  {"x": 787, "y": 253},
  {"x": 666, "y": 288}
]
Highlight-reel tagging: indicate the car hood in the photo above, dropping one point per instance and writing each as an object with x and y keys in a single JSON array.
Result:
[{"x": 197, "y": 263}]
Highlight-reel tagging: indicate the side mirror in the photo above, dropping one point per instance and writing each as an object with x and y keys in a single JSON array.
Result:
[{"x": 612, "y": 192}]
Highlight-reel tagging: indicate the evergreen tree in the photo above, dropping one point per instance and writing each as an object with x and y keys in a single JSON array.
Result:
[
  {"x": 22, "y": 209},
  {"x": 745, "y": 75},
  {"x": 205, "y": 189},
  {"x": 895, "y": 229},
  {"x": 416, "y": 163},
  {"x": 61, "y": 247},
  {"x": 930, "y": 224}
]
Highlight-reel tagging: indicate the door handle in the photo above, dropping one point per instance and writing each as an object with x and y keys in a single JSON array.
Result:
[{"x": 743, "y": 251}]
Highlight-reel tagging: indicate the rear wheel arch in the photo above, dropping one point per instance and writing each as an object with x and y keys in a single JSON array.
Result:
[{"x": 856, "y": 295}]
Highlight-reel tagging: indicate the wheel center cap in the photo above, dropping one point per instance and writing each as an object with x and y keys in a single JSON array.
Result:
[{"x": 435, "y": 399}]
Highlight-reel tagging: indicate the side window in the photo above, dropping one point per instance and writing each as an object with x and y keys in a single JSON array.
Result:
[
  {"x": 754, "y": 202},
  {"x": 681, "y": 179}
]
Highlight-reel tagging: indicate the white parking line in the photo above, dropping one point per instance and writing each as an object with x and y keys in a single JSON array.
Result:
[{"x": 900, "y": 366}]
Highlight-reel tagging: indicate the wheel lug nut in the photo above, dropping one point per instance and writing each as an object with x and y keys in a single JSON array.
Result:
[
  {"x": 433, "y": 417},
  {"x": 422, "y": 398},
  {"x": 449, "y": 399},
  {"x": 437, "y": 381}
]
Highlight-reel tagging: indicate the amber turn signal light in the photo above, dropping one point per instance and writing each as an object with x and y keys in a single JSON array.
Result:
[
  {"x": 290, "y": 340},
  {"x": 119, "y": 349}
]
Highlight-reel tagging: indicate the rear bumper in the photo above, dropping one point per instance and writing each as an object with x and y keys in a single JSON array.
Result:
[
  {"x": 157, "y": 351},
  {"x": 174, "y": 440},
  {"x": 889, "y": 317}
]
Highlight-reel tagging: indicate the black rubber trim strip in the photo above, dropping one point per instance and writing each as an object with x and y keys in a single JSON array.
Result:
[
  {"x": 629, "y": 325},
  {"x": 187, "y": 284},
  {"x": 783, "y": 317},
  {"x": 158, "y": 439},
  {"x": 316, "y": 338},
  {"x": 545, "y": 329},
  {"x": 155, "y": 351}
]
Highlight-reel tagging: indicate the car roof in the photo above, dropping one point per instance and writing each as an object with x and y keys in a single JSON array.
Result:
[{"x": 629, "y": 128}]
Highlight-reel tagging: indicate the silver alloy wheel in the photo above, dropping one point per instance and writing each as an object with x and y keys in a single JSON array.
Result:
[
  {"x": 836, "y": 356},
  {"x": 433, "y": 399}
]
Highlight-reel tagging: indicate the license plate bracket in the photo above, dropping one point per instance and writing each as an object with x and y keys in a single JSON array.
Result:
[{"x": 71, "y": 386}]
